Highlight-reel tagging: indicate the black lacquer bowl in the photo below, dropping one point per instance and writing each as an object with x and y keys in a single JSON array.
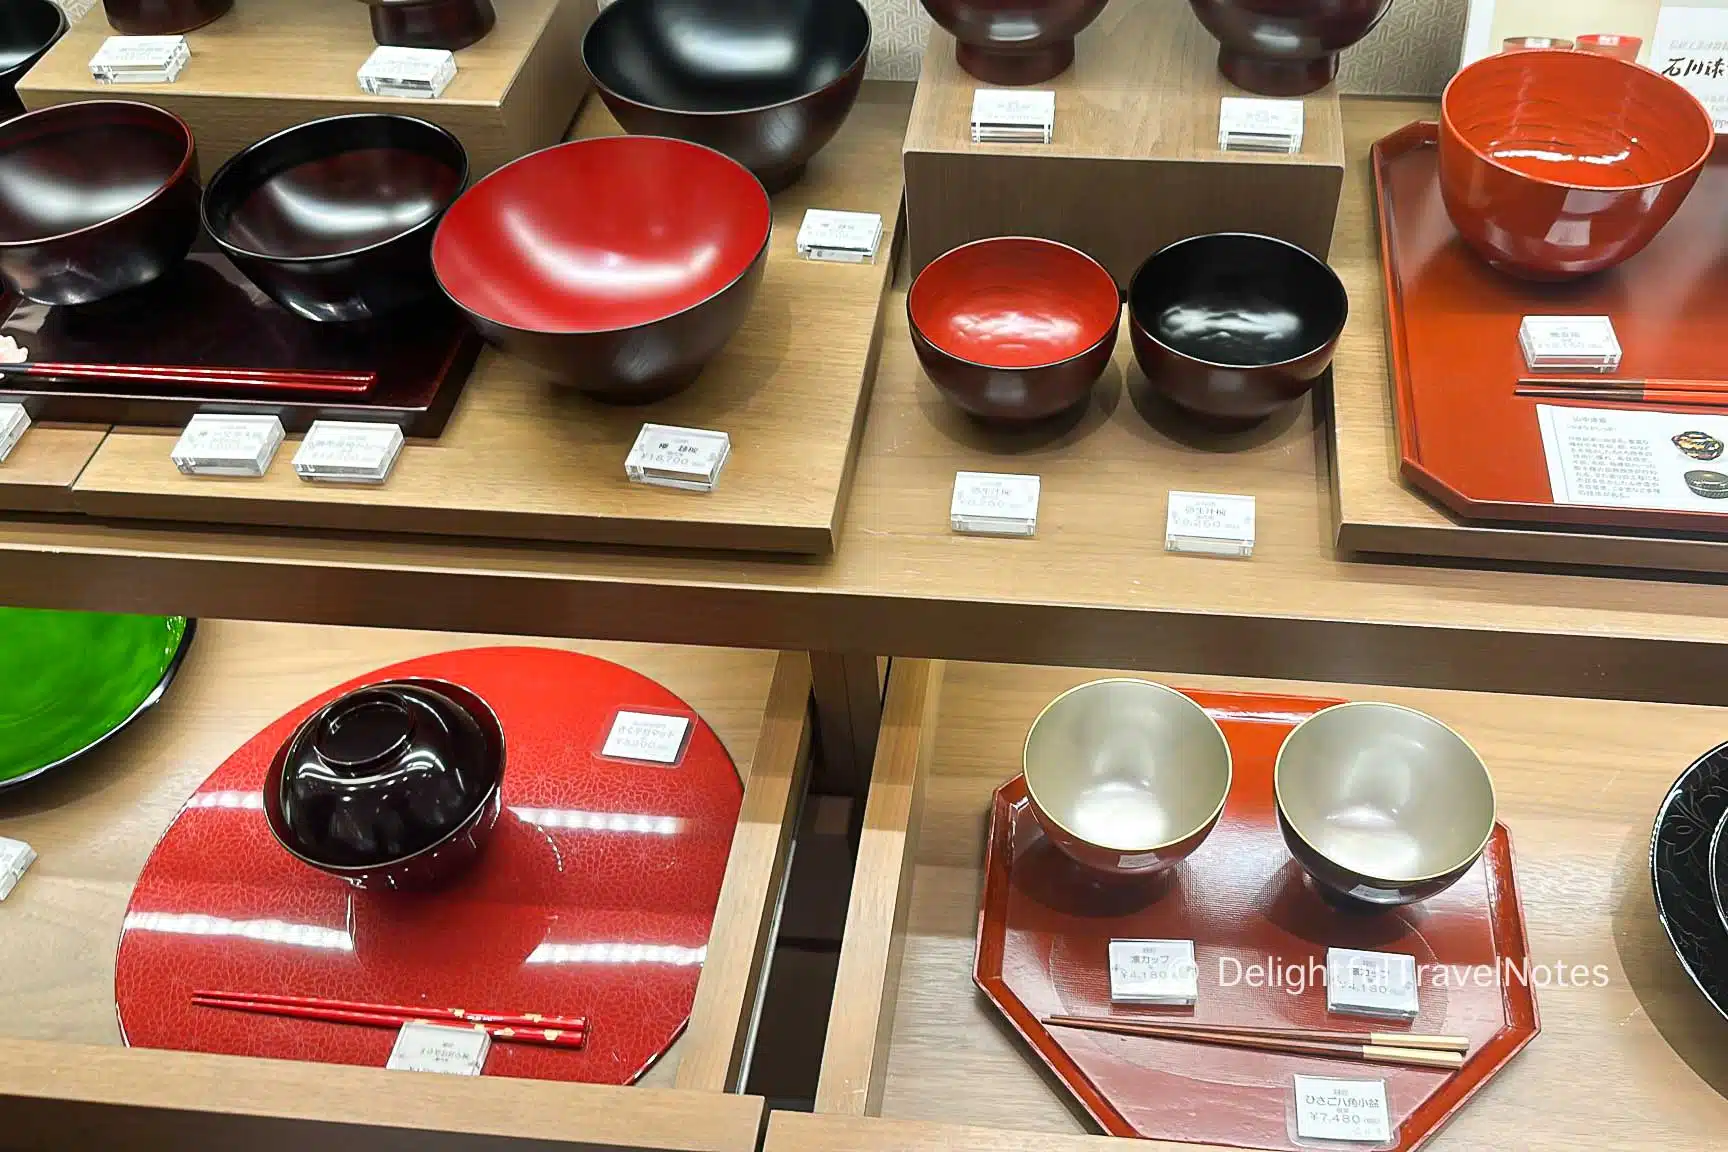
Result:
[
  {"x": 395, "y": 785},
  {"x": 767, "y": 82},
  {"x": 96, "y": 197},
  {"x": 334, "y": 219},
  {"x": 1680, "y": 867},
  {"x": 28, "y": 28},
  {"x": 448, "y": 24}
]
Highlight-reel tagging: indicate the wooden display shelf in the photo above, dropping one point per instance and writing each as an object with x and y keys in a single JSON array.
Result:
[
  {"x": 65, "y": 1081},
  {"x": 39, "y": 473},
  {"x": 1633, "y": 1062},
  {"x": 270, "y": 64},
  {"x": 1134, "y": 164},
  {"x": 806, "y": 1132},
  {"x": 1374, "y": 509},
  {"x": 521, "y": 458}
]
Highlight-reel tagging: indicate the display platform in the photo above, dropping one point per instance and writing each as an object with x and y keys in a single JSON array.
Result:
[
  {"x": 269, "y": 64},
  {"x": 1134, "y": 162},
  {"x": 521, "y": 458},
  {"x": 37, "y": 475}
]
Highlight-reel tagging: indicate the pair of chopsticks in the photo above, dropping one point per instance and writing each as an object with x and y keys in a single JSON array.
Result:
[
  {"x": 1410, "y": 1048},
  {"x": 528, "y": 1028},
  {"x": 1671, "y": 393},
  {"x": 175, "y": 376}
]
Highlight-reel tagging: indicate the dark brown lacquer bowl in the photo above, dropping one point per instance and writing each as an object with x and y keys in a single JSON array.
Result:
[
  {"x": 1014, "y": 329},
  {"x": 396, "y": 785},
  {"x": 620, "y": 264},
  {"x": 334, "y": 219},
  {"x": 450, "y": 24},
  {"x": 162, "y": 17},
  {"x": 96, "y": 197},
  {"x": 1285, "y": 47},
  {"x": 28, "y": 28},
  {"x": 1014, "y": 41},
  {"x": 1557, "y": 164},
  {"x": 1233, "y": 326},
  {"x": 767, "y": 82}
]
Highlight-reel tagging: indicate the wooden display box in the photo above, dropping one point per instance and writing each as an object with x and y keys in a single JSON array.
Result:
[
  {"x": 1134, "y": 164},
  {"x": 269, "y": 64}
]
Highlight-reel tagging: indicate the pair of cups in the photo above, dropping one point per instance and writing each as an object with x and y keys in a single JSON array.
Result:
[{"x": 1380, "y": 804}]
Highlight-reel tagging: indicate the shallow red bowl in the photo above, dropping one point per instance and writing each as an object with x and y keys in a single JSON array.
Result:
[
  {"x": 1512, "y": 130},
  {"x": 1013, "y": 328},
  {"x": 620, "y": 264}
]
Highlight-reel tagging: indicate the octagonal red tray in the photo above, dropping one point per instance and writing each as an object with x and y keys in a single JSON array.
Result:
[
  {"x": 1046, "y": 925},
  {"x": 595, "y": 895}
]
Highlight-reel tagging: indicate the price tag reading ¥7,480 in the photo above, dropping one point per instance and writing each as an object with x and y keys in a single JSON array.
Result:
[
  {"x": 14, "y": 422},
  {"x": 1379, "y": 984},
  {"x": 843, "y": 237},
  {"x": 672, "y": 457},
  {"x": 1353, "y": 1110},
  {"x": 215, "y": 445},
  {"x": 994, "y": 504},
  {"x": 1013, "y": 116},
  {"x": 1250, "y": 124},
  {"x": 139, "y": 60},
  {"x": 422, "y": 1047},
  {"x": 1153, "y": 972},
  {"x": 650, "y": 736},
  {"x": 348, "y": 451},
  {"x": 1569, "y": 343},
  {"x": 1215, "y": 523},
  {"x": 418, "y": 73}
]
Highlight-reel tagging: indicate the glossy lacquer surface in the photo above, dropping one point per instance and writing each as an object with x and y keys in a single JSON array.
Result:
[
  {"x": 69, "y": 680},
  {"x": 620, "y": 264},
  {"x": 162, "y": 17},
  {"x": 1680, "y": 871},
  {"x": 334, "y": 219},
  {"x": 1558, "y": 164},
  {"x": 767, "y": 82},
  {"x": 1233, "y": 326},
  {"x": 594, "y": 897},
  {"x": 1046, "y": 925},
  {"x": 1014, "y": 41},
  {"x": 449, "y": 24},
  {"x": 1014, "y": 328},
  {"x": 1285, "y": 47},
  {"x": 28, "y": 28}
]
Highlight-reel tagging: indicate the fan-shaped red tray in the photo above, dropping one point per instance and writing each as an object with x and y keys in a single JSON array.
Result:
[
  {"x": 1046, "y": 927},
  {"x": 595, "y": 895}
]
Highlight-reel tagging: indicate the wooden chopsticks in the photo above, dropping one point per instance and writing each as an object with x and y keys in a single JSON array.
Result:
[
  {"x": 1414, "y": 1049},
  {"x": 1675, "y": 393},
  {"x": 526, "y": 1028}
]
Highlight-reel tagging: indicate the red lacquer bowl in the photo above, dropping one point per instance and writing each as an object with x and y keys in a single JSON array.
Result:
[
  {"x": 1557, "y": 164},
  {"x": 620, "y": 264},
  {"x": 1013, "y": 328}
]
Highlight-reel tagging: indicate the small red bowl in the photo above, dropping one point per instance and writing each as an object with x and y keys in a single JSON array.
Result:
[
  {"x": 620, "y": 264},
  {"x": 1557, "y": 164},
  {"x": 1013, "y": 328}
]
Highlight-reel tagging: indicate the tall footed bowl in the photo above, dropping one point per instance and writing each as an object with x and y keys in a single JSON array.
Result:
[
  {"x": 1285, "y": 47},
  {"x": 1014, "y": 42}
]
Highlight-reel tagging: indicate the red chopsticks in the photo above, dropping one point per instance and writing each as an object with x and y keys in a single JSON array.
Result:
[
  {"x": 525, "y": 1028},
  {"x": 226, "y": 379},
  {"x": 1672, "y": 393}
]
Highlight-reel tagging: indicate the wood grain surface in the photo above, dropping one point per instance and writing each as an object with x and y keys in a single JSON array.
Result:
[
  {"x": 1638, "y": 1063},
  {"x": 37, "y": 475}
]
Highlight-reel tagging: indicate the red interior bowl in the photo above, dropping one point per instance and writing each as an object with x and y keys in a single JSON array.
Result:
[
  {"x": 1555, "y": 164},
  {"x": 621, "y": 264}
]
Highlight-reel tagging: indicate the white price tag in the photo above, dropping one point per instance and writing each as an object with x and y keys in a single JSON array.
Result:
[
  {"x": 420, "y": 73},
  {"x": 1214, "y": 523},
  {"x": 846, "y": 237},
  {"x": 673, "y": 457},
  {"x": 15, "y": 859},
  {"x": 1013, "y": 115},
  {"x": 1569, "y": 342},
  {"x": 994, "y": 504},
  {"x": 1689, "y": 48},
  {"x": 1252, "y": 124},
  {"x": 1153, "y": 972},
  {"x": 140, "y": 60},
  {"x": 451, "y": 1049},
  {"x": 648, "y": 736},
  {"x": 348, "y": 451},
  {"x": 1353, "y": 1110},
  {"x": 1381, "y": 984},
  {"x": 216, "y": 445},
  {"x": 14, "y": 422}
]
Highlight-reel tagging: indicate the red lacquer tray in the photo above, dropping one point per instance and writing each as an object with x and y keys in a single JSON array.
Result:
[
  {"x": 1046, "y": 925},
  {"x": 594, "y": 897},
  {"x": 1452, "y": 336}
]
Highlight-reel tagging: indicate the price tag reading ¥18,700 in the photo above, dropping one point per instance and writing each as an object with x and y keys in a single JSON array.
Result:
[
  {"x": 1380, "y": 984},
  {"x": 139, "y": 60},
  {"x": 1353, "y": 1110},
  {"x": 455, "y": 1050},
  {"x": 672, "y": 457},
  {"x": 1250, "y": 124},
  {"x": 1013, "y": 116},
  {"x": 1215, "y": 523},
  {"x": 994, "y": 504},
  {"x": 843, "y": 237},
  {"x": 14, "y": 422},
  {"x": 1569, "y": 343},
  {"x": 215, "y": 445},
  {"x": 650, "y": 736},
  {"x": 1153, "y": 972},
  {"x": 418, "y": 73},
  {"x": 348, "y": 451}
]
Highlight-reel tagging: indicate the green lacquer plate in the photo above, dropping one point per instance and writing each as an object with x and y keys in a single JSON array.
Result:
[{"x": 70, "y": 680}]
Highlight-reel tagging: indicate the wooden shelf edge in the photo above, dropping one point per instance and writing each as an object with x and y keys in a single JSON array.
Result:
[{"x": 807, "y": 1132}]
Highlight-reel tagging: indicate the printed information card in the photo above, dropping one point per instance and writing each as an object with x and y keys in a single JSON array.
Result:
[
  {"x": 1616, "y": 458},
  {"x": 1691, "y": 48},
  {"x": 1353, "y": 1110}
]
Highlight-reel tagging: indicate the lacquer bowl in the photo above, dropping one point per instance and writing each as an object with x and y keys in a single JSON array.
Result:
[
  {"x": 1557, "y": 164},
  {"x": 1233, "y": 326},
  {"x": 1719, "y": 869},
  {"x": 619, "y": 264},
  {"x": 334, "y": 219},
  {"x": 28, "y": 28},
  {"x": 1125, "y": 776},
  {"x": 1288, "y": 48},
  {"x": 162, "y": 17},
  {"x": 1014, "y": 329},
  {"x": 767, "y": 82},
  {"x": 1014, "y": 42},
  {"x": 396, "y": 785},
  {"x": 1380, "y": 804},
  {"x": 449, "y": 24},
  {"x": 96, "y": 197}
]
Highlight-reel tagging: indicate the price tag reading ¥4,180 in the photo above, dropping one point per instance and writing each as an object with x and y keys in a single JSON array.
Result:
[
  {"x": 1153, "y": 972},
  {"x": 139, "y": 60},
  {"x": 215, "y": 445},
  {"x": 1214, "y": 523},
  {"x": 423, "y": 1047},
  {"x": 1353, "y": 1110},
  {"x": 1251, "y": 124},
  {"x": 672, "y": 457},
  {"x": 1013, "y": 116},
  {"x": 994, "y": 504},
  {"x": 418, "y": 73},
  {"x": 1379, "y": 984},
  {"x": 1569, "y": 343},
  {"x": 348, "y": 451},
  {"x": 650, "y": 736},
  {"x": 843, "y": 237},
  {"x": 14, "y": 422}
]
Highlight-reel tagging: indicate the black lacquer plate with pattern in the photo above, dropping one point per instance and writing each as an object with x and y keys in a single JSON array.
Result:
[{"x": 1680, "y": 873}]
